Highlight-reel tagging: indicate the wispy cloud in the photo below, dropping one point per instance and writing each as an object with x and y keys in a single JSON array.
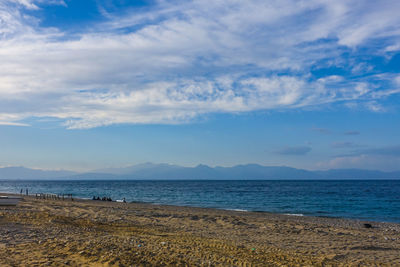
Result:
[
  {"x": 171, "y": 63},
  {"x": 13, "y": 123}
]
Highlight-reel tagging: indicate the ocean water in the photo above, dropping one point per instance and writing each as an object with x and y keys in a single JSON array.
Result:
[{"x": 366, "y": 200}]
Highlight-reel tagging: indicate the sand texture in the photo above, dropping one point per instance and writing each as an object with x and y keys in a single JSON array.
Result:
[{"x": 97, "y": 233}]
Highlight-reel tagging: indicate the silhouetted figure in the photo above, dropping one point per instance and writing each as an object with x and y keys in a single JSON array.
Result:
[{"x": 27, "y": 191}]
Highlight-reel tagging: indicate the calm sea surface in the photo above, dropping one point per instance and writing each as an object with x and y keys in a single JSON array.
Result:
[{"x": 368, "y": 200}]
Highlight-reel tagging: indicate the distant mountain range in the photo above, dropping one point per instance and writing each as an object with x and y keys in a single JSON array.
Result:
[
  {"x": 150, "y": 171},
  {"x": 25, "y": 173}
]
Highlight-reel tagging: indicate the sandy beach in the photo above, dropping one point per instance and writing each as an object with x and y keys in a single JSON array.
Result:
[{"x": 96, "y": 233}]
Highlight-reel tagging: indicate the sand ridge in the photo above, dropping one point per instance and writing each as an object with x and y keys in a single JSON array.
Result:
[{"x": 95, "y": 233}]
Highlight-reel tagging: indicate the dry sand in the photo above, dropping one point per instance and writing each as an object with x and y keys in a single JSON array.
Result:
[{"x": 97, "y": 233}]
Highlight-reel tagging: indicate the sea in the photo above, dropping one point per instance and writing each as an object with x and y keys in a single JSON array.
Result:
[{"x": 373, "y": 200}]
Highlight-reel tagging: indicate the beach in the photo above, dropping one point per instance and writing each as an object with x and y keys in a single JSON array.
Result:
[{"x": 39, "y": 232}]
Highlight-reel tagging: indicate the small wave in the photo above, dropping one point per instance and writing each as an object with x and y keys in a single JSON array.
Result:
[
  {"x": 238, "y": 210},
  {"x": 294, "y": 214}
]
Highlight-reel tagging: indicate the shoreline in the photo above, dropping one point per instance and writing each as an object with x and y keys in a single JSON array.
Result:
[
  {"x": 344, "y": 219},
  {"x": 370, "y": 201}
]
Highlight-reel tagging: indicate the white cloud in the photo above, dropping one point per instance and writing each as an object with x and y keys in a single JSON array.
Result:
[
  {"x": 392, "y": 48},
  {"x": 13, "y": 123},
  {"x": 384, "y": 158},
  {"x": 371, "y": 162},
  {"x": 26, "y": 3},
  {"x": 374, "y": 106},
  {"x": 185, "y": 60},
  {"x": 397, "y": 80},
  {"x": 9, "y": 119}
]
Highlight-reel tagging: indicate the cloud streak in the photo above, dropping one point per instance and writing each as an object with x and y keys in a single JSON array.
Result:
[{"x": 183, "y": 61}]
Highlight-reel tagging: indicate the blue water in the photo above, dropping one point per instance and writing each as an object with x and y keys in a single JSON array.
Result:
[{"x": 366, "y": 200}]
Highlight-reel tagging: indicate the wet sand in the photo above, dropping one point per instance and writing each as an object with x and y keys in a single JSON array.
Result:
[{"x": 97, "y": 233}]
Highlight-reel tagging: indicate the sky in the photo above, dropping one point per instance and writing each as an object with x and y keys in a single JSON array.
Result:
[{"x": 109, "y": 83}]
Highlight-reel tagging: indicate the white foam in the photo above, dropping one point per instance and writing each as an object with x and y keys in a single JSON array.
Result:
[
  {"x": 238, "y": 210},
  {"x": 294, "y": 214}
]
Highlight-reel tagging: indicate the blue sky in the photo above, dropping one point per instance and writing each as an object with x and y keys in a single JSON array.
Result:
[{"x": 107, "y": 83}]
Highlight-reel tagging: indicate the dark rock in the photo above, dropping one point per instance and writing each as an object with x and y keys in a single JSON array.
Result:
[{"x": 367, "y": 225}]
